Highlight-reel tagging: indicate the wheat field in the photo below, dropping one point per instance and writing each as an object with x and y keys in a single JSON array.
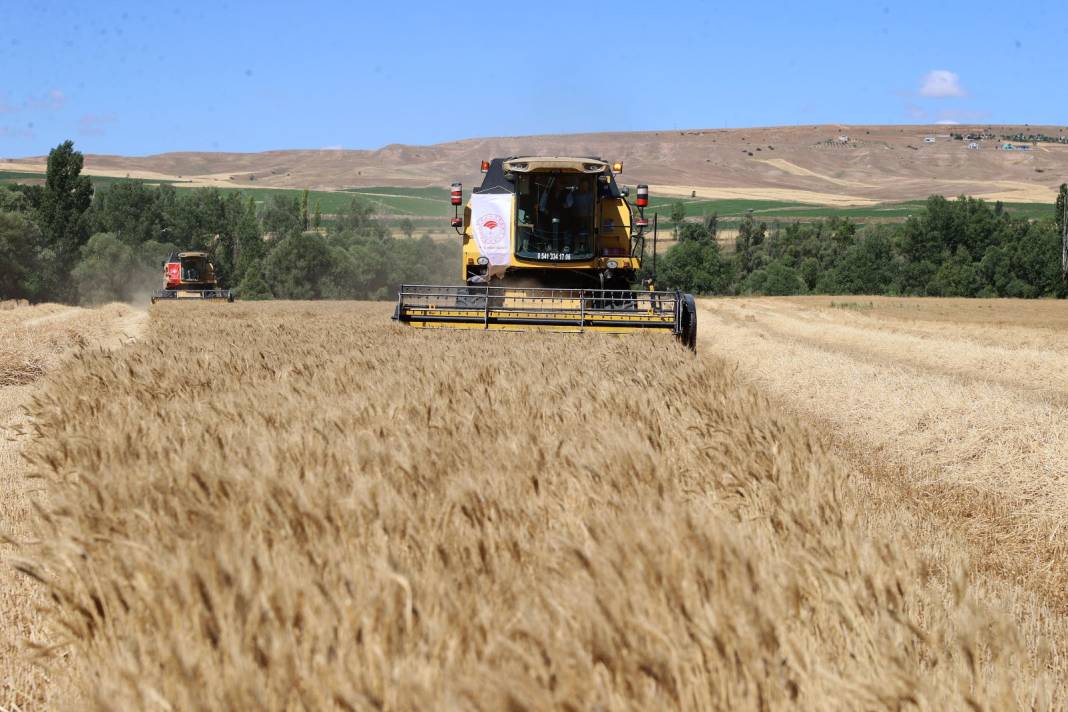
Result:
[
  {"x": 36, "y": 340},
  {"x": 305, "y": 506}
]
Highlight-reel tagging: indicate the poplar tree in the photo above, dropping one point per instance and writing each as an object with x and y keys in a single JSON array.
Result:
[{"x": 61, "y": 216}]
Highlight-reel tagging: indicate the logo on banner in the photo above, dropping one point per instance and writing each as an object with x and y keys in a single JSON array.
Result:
[{"x": 492, "y": 227}]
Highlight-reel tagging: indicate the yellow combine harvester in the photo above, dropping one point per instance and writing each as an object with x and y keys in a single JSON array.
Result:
[{"x": 550, "y": 243}]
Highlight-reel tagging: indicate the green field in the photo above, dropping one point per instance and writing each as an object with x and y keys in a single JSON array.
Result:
[
  {"x": 662, "y": 205},
  {"x": 769, "y": 210},
  {"x": 423, "y": 205},
  {"x": 7, "y": 176},
  {"x": 18, "y": 176},
  {"x": 410, "y": 202}
]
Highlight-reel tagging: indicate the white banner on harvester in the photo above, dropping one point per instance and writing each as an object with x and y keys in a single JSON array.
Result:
[{"x": 491, "y": 224}]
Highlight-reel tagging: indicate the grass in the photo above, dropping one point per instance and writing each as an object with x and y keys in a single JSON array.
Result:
[
  {"x": 414, "y": 203},
  {"x": 768, "y": 211},
  {"x": 433, "y": 194},
  {"x": 852, "y": 305},
  {"x": 263, "y": 506},
  {"x": 432, "y": 203},
  {"x": 7, "y": 176},
  {"x": 723, "y": 207}
]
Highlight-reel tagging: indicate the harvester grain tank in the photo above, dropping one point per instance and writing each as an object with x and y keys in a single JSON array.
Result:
[
  {"x": 191, "y": 275},
  {"x": 551, "y": 243}
]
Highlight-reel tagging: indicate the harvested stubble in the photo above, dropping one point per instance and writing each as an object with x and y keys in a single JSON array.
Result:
[
  {"x": 33, "y": 339},
  {"x": 294, "y": 505}
]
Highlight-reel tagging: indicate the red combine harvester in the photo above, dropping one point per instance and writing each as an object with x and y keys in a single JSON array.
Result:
[{"x": 191, "y": 275}]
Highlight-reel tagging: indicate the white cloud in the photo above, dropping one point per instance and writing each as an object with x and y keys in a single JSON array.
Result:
[
  {"x": 947, "y": 122},
  {"x": 52, "y": 100},
  {"x": 940, "y": 83},
  {"x": 96, "y": 124}
]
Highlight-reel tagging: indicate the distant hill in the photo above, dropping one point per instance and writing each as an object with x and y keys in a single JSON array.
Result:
[{"x": 823, "y": 165}]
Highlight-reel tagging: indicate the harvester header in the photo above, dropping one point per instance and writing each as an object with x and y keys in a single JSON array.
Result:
[{"x": 551, "y": 243}]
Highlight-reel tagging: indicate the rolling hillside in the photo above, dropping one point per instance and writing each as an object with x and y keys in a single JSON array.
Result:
[{"x": 832, "y": 165}]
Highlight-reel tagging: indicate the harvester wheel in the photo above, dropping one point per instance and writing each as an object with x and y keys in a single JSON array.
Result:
[{"x": 688, "y": 332}]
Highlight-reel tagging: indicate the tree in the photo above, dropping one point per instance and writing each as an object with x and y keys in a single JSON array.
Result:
[
  {"x": 281, "y": 216},
  {"x": 253, "y": 286},
  {"x": 867, "y": 266},
  {"x": 750, "y": 236},
  {"x": 1060, "y": 207},
  {"x": 712, "y": 224},
  {"x": 956, "y": 277},
  {"x": 355, "y": 218},
  {"x": 695, "y": 232},
  {"x": 103, "y": 274},
  {"x": 695, "y": 266},
  {"x": 13, "y": 200},
  {"x": 678, "y": 214},
  {"x": 111, "y": 270},
  {"x": 317, "y": 221},
  {"x": 407, "y": 227},
  {"x": 61, "y": 216},
  {"x": 18, "y": 257},
  {"x": 297, "y": 265},
  {"x": 810, "y": 272},
  {"x": 777, "y": 279},
  {"x": 304, "y": 209},
  {"x": 250, "y": 246},
  {"x": 129, "y": 209}
]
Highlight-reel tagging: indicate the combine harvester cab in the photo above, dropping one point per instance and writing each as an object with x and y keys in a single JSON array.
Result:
[
  {"x": 190, "y": 275},
  {"x": 551, "y": 243}
]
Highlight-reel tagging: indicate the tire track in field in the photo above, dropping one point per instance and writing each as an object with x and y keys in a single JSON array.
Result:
[
  {"x": 1037, "y": 375},
  {"x": 978, "y": 450}
]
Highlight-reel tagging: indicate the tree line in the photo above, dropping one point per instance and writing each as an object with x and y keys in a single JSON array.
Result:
[
  {"x": 64, "y": 241},
  {"x": 955, "y": 248}
]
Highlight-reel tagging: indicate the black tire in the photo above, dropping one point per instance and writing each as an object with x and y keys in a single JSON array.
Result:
[{"x": 688, "y": 331}]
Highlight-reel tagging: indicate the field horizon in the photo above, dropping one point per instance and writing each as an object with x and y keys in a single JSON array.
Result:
[{"x": 823, "y": 165}]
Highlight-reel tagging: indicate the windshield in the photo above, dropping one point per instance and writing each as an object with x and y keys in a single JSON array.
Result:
[
  {"x": 195, "y": 269},
  {"x": 555, "y": 216}
]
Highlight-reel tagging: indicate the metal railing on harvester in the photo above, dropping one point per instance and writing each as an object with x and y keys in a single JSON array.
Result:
[
  {"x": 520, "y": 308},
  {"x": 164, "y": 294}
]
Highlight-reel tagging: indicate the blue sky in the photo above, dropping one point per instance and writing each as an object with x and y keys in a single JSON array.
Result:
[{"x": 139, "y": 78}]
